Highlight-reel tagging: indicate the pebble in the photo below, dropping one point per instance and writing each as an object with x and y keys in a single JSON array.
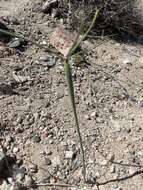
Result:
[
  {"x": 9, "y": 139},
  {"x": 49, "y": 153},
  {"x": 45, "y": 58},
  {"x": 112, "y": 168},
  {"x": 15, "y": 150},
  {"x": 19, "y": 120},
  {"x": 14, "y": 43},
  {"x": 28, "y": 181},
  {"x": 45, "y": 113},
  {"x": 47, "y": 61},
  {"x": 20, "y": 176},
  {"x": 56, "y": 161},
  {"x": 127, "y": 61},
  {"x": 36, "y": 116},
  {"x": 69, "y": 154},
  {"x": 104, "y": 163},
  {"x": 97, "y": 174},
  {"x": 36, "y": 139},
  {"x": 48, "y": 161},
  {"x": 33, "y": 168},
  {"x": 2, "y": 158},
  {"x": 5, "y": 186},
  {"x": 48, "y": 5},
  {"x": 93, "y": 114}
]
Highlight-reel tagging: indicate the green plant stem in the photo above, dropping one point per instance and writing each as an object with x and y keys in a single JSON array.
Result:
[
  {"x": 68, "y": 74},
  {"x": 72, "y": 97},
  {"x": 78, "y": 42}
]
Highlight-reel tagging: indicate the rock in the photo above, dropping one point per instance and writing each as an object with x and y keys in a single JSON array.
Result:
[
  {"x": 20, "y": 79},
  {"x": 36, "y": 116},
  {"x": 93, "y": 114},
  {"x": 45, "y": 113},
  {"x": 47, "y": 161},
  {"x": 56, "y": 161},
  {"x": 69, "y": 154},
  {"x": 127, "y": 61},
  {"x": 49, "y": 152},
  {"x": 19, "y": 120},
  {"x": 28, "y": 181},
  {"x": 47, "y": 61},
  {"x": 49, "y": 5},
  {"x": 104, "y": 163},
  {"x": 2, "y": 158},
  {"x": 9, "y": 139},
  {"x": 91, "y": 179},
  {"x": 6, "y": 186},
  {"x": 112, "y": 168},
  {"x": 20, "y": 176},
  {"x": 13, "y": 20},
  {"x": 33, "y": 168},
  {"x": 15, "y": 150},
  {"x": 36, "y": 138},
  {"x": 97, "y": 174},
  {"x": 6, "y": 89},
  {"x": 14, "y": 43}
]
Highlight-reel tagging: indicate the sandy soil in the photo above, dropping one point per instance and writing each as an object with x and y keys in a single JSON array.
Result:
[{"x": 35, "y": 113}]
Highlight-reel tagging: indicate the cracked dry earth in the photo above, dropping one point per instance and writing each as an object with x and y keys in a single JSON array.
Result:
[{"x": 36, "y": 122}]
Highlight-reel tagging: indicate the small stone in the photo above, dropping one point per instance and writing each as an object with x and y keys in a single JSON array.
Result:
[
  {"x": 91, "y": 179},
  {"x": 36, "y": 138},
  {"x": 51, "y": 141},
  {"x": 69, "y": 154},
  {"x": 36, "y": 116},
  {"x": 45, "y": 58},
  {"x": 19, "y": 120},
  {"x": 19, "y": 129},
  {"x": 6, "y": 89},
  {"x": 10, "y": 180},
  {"x": 14, "y": 43},
  {"x": 28, "y": 181},
  {"x": 141, "y": 60},
  {"x": 9, "y": 139},
  {"x": 5, "y": 185},
  {"x": 97, "y": 174},
  {"x": 47, "y": 61},
  {"x": 45, "y": 113},
  {"x": 87, "y": 117},
  {"x": 132, "y": 170},
  {"x": 20, "y": 176},
  {"x": 49, "y": 5},
  {"x": 15, "y": 150},
  {"x": 104, "y": 163},
  {"x": 112, "y": 168},
  {"x": 117, "y": 129},
  {"x": 49, "y": 153},
  {"x": 2, "y": 158},
  {"x": 33, "y": 168},
  {"x": 118, "y": 188},
  {"x": 127, "y": 61},
  {"x": 47, "y": 161},
  {"x": 93, "y": 114},
  {"x": 56, "y": 161}
]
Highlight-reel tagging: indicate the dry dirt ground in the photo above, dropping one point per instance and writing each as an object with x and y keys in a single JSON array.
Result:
[{"x": 36, "y": 121}]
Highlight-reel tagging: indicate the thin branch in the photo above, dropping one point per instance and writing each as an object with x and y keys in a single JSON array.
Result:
[
  {"x": 51, "y": 185},
  {"x": 120, "y": 179}
]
